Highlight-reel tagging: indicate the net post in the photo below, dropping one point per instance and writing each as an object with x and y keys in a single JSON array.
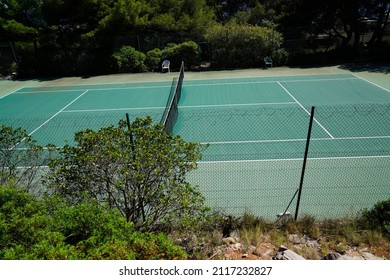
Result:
[
  {"x": 304, "y": 162},
  {"x": 169, "y": 116},
  {"x": 131, "y": 135}
]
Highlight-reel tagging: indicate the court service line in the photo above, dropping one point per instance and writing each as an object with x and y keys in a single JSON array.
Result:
[
  {"x": 269, "y": 82},
  {"x": 327, "y": 132},
  {"x": 236, "y": 104},
  {"x": 56, "y": 114},
  {"x": 110, "y": 110},
  {"x": 296, "y": 140},
  {"x": 290, "y": 159},
  {"x": 95, "y": 89},
  {"x": 367, "y": 81}
]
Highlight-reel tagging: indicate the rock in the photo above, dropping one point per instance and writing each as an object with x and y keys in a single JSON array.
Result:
[
  {"x": 229, "y": 240},
  {"x": 264, "y": 250},
  {"x": 369, "y": 256},
  {"x": 295, "y": 239},
  {"x": 286, "y": 254},
  {"x": 350, "y": 256},
  {"x": 332, "y": 256}
]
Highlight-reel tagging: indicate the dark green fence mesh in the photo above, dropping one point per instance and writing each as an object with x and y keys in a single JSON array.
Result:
[
  {"x": 255, "y": 155},
  {"x": 254, "y": 161}
]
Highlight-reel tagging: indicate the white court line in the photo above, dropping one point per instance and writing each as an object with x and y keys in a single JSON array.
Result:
[
  {"x": 269, "y": 82},
  {"x": 295, "y": 140},
  {"x": 268, "y": 141},
  {"x": 367, "y": 81},
  {"x": 290, "y": 159},
  {"x": 12, "y": 92},
  {"x": 235, "y": 105},
  {"x": 52, "y": 117},
  {"x": 327, "y": 132},
  {"x": 96, "y": 89},
  {"x": 257, "y": 141},
  {"x": 108, "y": 110}
]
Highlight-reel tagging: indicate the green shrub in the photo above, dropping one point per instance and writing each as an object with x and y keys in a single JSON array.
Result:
[
  {"x": 153, "y": 60},
  {"x": 376, "y": 218},
  {"x": 128, "y": 59},
  {"x": 241, "y": 46},
  {"x": 189, "y": 52},
  {"x": 50, "y": 229},
  {"x": 280, "y": 57}
]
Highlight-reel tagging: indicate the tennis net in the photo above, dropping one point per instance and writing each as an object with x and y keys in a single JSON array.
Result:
[{"x": 171, "y": 112}]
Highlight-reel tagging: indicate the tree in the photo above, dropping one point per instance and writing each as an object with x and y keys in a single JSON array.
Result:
[
  {"x": 125, "y": 16},
  {"x": 141, "y": 172},
  {"x": 379, "y": 9},
  {"x": 236, "y": 45},
  {"x": 180, "y": 16}
]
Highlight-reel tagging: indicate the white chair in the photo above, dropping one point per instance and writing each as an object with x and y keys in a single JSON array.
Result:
[
  {"x": 268, "y": 62},
  {"x": 165, "y": 66}
]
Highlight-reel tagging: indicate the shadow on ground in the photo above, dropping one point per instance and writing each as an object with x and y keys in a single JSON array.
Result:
[{"x": 369, "y": 67}]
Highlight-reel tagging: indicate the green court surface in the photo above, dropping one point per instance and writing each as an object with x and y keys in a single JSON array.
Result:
[
  {"x": 256, "y": 129},
  {"x": 53, "y": 114}
]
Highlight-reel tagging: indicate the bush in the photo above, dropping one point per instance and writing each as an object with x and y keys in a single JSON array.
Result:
[
  {"x": 153, "y": 60},
  {"x": 376, "y": 218},
  {"x": 189, "y": 52},
  {"x": 241, "y": 46},
  {"x": 51, "y": 229},
  {"x": 280, "y": 57},
  {"x": 128, "y": 59}
]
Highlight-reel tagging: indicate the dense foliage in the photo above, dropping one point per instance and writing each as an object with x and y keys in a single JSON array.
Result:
[
  {"x": 51, "y": 37},
  {"x": 139, "y": 170},
  {"x": 377, "y": 218},
  {"x": 242, "y": 45},
  {"x": 52, "y": 229}
]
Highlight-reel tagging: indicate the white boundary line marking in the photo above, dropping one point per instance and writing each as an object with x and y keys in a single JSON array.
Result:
[
  {"x": 94, "y": 89},
  {"x": 269, "y": 82},
  {"x": 291, "y": 159},
  {"x": 372, "y": 83},
  {"x": 12, "y": 92},
  {"x": 327, "y": 132},
  {"x": 56, "y": 114},
  {"x": 295, "y": 140},
  {"x": 236, "y": 105},
  {"x": 108, "y": 110}
]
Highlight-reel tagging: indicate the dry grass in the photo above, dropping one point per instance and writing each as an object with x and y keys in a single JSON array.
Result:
[{"x": 259, "y": 239}]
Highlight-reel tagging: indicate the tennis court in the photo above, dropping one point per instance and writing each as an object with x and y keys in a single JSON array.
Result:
[
  {"x": 53, "y": 114},
  {"x": 240, "y": 116},
  {"x": 256, "y": 129}
]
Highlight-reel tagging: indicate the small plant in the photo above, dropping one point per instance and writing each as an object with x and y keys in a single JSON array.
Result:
[
  {"x": 153, "y": 60},
  {"x": 128, "y": 59},
  {"x": 376, "y": 218}
]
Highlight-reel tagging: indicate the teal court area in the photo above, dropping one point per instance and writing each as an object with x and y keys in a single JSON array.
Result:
[
  {"x": 53, "y": 114},
  {"x": 255, "y": 129}
]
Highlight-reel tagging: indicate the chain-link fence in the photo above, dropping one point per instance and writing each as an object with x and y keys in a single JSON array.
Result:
[{"x": 255, "y": 159}]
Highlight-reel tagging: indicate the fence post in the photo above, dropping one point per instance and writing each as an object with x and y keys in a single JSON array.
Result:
[{"x": 304, "y": 161}]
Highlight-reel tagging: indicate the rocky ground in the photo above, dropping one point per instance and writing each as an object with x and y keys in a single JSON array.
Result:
[{"x": 301, "y": 248}]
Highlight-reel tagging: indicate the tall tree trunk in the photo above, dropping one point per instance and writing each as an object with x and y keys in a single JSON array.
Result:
[{"x": 381, "y": 23}]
